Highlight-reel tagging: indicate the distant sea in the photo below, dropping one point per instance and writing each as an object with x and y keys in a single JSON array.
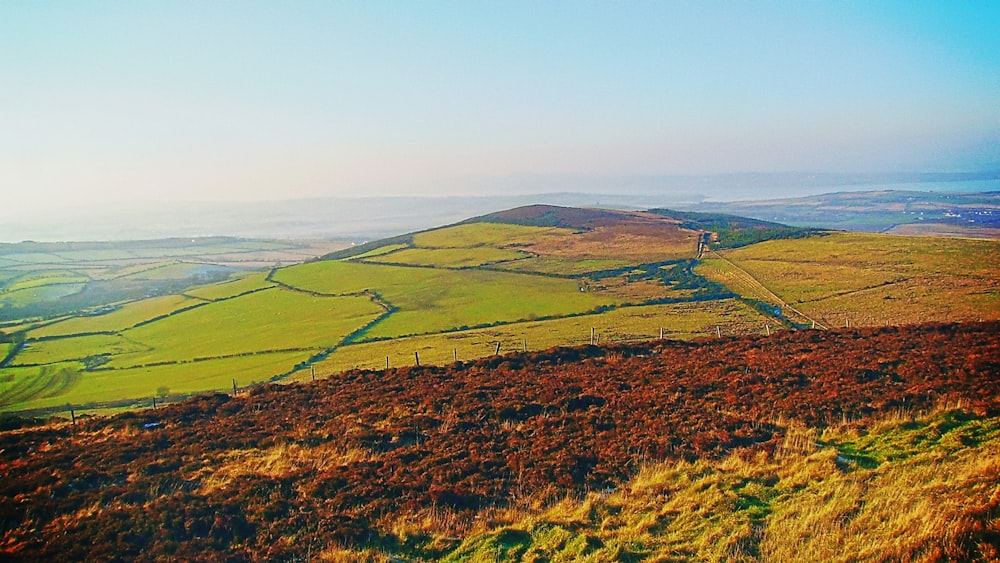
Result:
[{"x": 361, "y": 219}]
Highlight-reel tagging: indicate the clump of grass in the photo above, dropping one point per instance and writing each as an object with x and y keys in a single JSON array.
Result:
[{"x": 926, "y": 489}]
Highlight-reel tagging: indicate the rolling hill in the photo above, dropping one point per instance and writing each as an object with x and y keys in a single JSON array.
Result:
[{"x": 528, "y": 278}]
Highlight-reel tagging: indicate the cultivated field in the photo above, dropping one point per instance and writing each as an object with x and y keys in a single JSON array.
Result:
[{"x": 155, "y": 317}]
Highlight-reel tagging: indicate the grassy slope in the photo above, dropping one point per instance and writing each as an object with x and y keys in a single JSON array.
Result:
[
  {"x": 929, "y": 477},
  {"x": 873, "y": 279}
]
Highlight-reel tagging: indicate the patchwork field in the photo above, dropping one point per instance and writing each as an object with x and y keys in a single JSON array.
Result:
[{"x": 152, "y": 321}]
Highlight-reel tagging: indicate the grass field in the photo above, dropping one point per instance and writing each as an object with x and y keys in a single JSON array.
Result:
[
  {"x": 231, "y": 288},
  {"x": 34, "y": 388},
  {"x": 75, "y": 349},
  {"x": 678, "y": 321},
  {"x": 874, "y": 279},
  {"x": 122, "y": 318},
  {"x": 461, "y": 290},
  {"x": 450, "y": 257},
  {"x": 269, "y": 320},
  {"x": 434, "y": 300}
]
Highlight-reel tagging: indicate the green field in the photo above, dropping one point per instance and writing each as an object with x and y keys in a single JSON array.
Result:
[
  {"x": 435, "y": 300},
  {"x": 62, "y": 384},
  {"x": 119, "y": 319},
  {"x": 269, "y": 320},
  {"x": 75, "y": 349},
  {"x": 626, "y": 324},
  {"x": 231, "y": 288},
  {"x": 450, "y": 257},
  {"x": 147, "y": 321}
]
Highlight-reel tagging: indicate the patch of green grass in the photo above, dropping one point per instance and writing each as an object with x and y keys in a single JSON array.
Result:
[
  {"x": 433, "y": 300},
  {"x": 450, "y": 257},
  {"x": 74, "y": 349},
  {"x": 41, "y": 279},
  {"x": 269, "y": 320},
  {"x": 21, "y": 385},
  {"x": 625, "y": 324},
  {"x": 231, "y": 288},
  {"x": 387, "y": 249},
  {"x": 139, "y": 383},
  {"x": 50, "y": 292},
  {"x": 122, "y": 318}
]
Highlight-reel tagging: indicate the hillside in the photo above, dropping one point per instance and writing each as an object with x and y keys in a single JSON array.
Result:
[
  {"x": 525, "y": 279},
  {"x": 801, "y": 445}
]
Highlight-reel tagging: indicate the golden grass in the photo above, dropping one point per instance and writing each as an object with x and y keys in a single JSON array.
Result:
[
  {"x": 806, "y": 503},
  {"x": 865, "y": 279}
]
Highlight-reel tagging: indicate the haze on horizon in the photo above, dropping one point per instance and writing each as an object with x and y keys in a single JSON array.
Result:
[{"x": 111, "y": 102}]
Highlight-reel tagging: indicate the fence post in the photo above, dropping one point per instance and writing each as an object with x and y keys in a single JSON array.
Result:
[
  {"x": 416, "y": 356},
  {"x": 312, "y": 370},
  {"x": 497, "y": 353},
  {"x": 234, "y": 387},
  {"x": 72, "y": 414}
]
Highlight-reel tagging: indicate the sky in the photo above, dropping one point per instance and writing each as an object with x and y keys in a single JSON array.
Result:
[{"x": 110, "y": 102}]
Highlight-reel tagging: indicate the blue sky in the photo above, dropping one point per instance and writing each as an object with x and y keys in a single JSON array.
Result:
[{"x": 159, "y": 101}]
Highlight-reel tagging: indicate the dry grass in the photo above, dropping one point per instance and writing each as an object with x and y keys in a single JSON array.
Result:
[{"x": 808, "y": 502}]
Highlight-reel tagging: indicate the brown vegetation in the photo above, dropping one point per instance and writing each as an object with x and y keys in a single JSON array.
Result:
[{"x": 287, "y": 472}]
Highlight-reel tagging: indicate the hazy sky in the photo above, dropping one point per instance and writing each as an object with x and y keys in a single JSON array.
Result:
[{"x": 247, "y": 100}]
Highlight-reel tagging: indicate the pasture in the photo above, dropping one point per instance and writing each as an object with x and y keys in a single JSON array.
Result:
[
  {"x": 679, "y": 321},
  {"x": 143, "y": 324},
  {"x": 866, "y": 279}
]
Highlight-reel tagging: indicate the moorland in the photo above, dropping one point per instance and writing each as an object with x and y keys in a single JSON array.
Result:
[{"x": 823, "y": 445}]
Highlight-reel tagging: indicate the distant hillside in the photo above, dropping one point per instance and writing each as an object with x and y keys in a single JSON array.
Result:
[
  {"x": 800, "y": 446},
  {"x": 909, "y": 212},
  {"x": 556, "y": 216}
]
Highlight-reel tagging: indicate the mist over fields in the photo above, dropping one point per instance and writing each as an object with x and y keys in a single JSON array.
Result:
[{"x": 362, "y": 218}]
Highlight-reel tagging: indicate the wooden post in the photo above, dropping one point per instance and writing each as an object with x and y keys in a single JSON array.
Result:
[
  {"x": 234, "y": 387},
  {"x": 455, "y": 352},
  {"x": 718, "y": 331},
  {"x": 497, "y": 353},
  {"x": 154, "y": 401},
  {"x": 591, "y": 336},
  {"x": 416, "y": 356},
  {"x": 814, "y": 324},
  {"x": 661, "y": 333},
  {"x": 312, "y": 371},
  {"x": 524, "y": 344},
  {"x": 768, "y": 327},
  {"x": 598, "y": 338},
  {"x": 72, "y": 414},
  {"x": 387, "y": 362}
]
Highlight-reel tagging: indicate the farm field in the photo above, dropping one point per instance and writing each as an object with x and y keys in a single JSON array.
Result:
[
  {"x": 626, "y": 324},
  {"x": 530, "y": 278},
  {"x": 870, "y": 279}
]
